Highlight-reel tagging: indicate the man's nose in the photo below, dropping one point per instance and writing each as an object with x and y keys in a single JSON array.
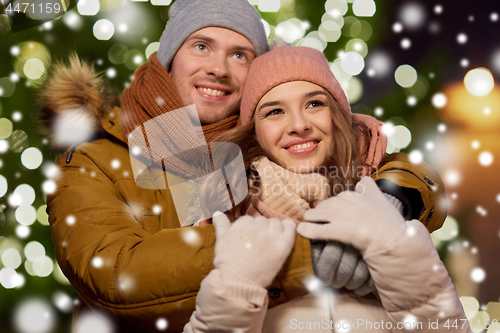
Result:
[
  {"x": 298, "y": 123},
  {"x": 217, "y": 65}
]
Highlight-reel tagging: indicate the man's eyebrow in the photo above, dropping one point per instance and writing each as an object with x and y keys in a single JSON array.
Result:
[
  {"x": 273, "y": 103},
  {"x": 201, "y": 37}
]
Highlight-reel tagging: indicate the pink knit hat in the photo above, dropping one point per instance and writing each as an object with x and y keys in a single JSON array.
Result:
[
  {"x": 287, "y": 64},
  {"x": 292, "y": 63}
]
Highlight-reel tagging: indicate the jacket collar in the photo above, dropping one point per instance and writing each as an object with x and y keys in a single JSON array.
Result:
[{"x": 111, "y": 122}]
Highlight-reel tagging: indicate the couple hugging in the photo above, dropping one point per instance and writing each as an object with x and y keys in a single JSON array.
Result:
[{"x": 249, "y": 269}]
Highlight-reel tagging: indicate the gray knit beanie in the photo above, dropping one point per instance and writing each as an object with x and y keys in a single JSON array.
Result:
[{"x": 189, "y": 16}]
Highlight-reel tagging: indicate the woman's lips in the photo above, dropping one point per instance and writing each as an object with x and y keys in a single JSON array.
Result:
[{"x": 302, "y": 148}]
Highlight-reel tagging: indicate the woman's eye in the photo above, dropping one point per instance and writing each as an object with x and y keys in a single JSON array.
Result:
[
  {"x": 274, "y": 112},
  {"x": 316, "y": 104}
]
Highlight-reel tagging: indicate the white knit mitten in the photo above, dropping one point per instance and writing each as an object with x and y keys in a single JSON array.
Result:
[
  {"x": 254, "y": 248},
  {"x": 364, "y": 219}
]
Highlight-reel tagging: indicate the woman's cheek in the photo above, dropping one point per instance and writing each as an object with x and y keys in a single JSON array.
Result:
[{"x": 270, "y": 136}]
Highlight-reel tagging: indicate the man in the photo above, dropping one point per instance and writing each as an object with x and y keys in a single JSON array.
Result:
[{"x": 120, "y": 241}]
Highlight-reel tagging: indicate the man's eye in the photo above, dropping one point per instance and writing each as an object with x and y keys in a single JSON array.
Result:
[
  {"x": 201, "y": 47},
  {"x": 240, "y": 56}
]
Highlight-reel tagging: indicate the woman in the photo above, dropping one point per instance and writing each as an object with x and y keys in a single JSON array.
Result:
[{"x": 298, "y": 135}]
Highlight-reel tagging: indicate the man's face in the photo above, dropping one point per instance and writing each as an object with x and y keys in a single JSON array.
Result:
[{"x": 210, "y": 70}]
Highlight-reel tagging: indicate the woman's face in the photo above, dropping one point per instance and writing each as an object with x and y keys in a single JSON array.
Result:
[{"x": 293, "y": 123}]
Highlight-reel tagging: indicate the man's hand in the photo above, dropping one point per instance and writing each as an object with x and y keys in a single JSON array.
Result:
[
  {"x": 364, "y": 219},
  {"x": 255, "y": 248}
]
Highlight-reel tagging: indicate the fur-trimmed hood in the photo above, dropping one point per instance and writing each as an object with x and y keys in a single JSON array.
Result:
[{"x": 72, "y": 102}]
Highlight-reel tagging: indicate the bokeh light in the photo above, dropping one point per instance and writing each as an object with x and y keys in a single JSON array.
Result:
[
  {"x": 442, "y": 128},
  {"x": 34, "y": 316},
  {"x": 416, "y": 156},
  {"x": 103, "y": 29},
  {"x": 478, "y": 275},
  {"x": 151, "y": 48},
  {"x": 72, "y": 20},
  {"x": 405, "y": 43},
  {"x": 486, "y": 158},
  {"x": 18, "y": 141},
  {"x": 25, "y": 215},
  {"x": 62, "y": 301},
  {"x": 161, "y": 324},
  {"x": 462, "y": 38},
  {"x": 269, "y": 5},
  {"x": 42, "y": 216},
  {"x": 401, "y": 137},
  {"x": 448, "y": 231},
  {"x": 381, "y": 63},
  {"x": 11, "y": 258},
  {"x": 357, "y": 45},
  {"x": 336, "y": 8},
  {"x": 397, "y": 27},
  {"x": 267, "y": 27},
  {"x": 331, "y": 27},
  {"x": 412, "y": 15},
  {"x": 452, "y": 177},
  {"x": 5, "y": 128},
  {"x": 7, "y": 87},
  {"x": 479, "y": 82},
  {"x": 439, "y": 100},
  {"x": 92, "y": 322},
  {"x": 411, "y": 101},
  {"x": 405, "y": 76},
  {"x": 135, "y": 59},
  {"x": 470, "y": 306},
  {"x": 25, "y": 195},
  {"x": 118, "y": 54},
  {"x": 33, "y": 68},
  {"x": 352, "y": 63},
  {"x": 23, "y": 231},
  {"x": 49, "y": 186},
  {"x": 364, "y": 8},
  {"x": 72, "y": 126},
  {"x": 353, "y": 89},
  {"x": 290, "y": 30},
  {"x": 88, "y": 7},
  {"x": 8, "y": 278},
  {"x": 17, "y": 116},
  {"x": 3, "y": 186},
  {"x": 495, "y": 61},
  {"x": 43, "y": 267},
  {"x": 191, "y": 237},
  {"x": 34, "y": 251},
  {"x": 32, "y": 158},
  {"x": 161, "y": 2}
]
